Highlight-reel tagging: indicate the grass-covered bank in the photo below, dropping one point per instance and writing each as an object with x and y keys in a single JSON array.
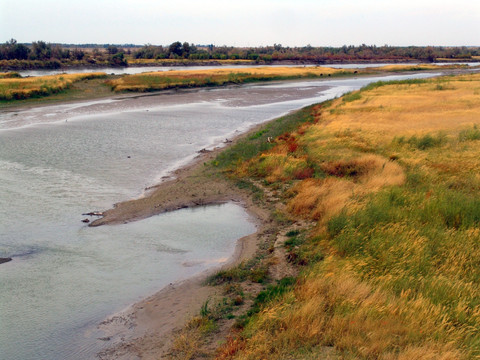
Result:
[
  {"x": 13, "y": 87},
  {"x": 388, "y": 179},
  {"x": 216, "y": 77},
  {"x": 155, "y": 81}
]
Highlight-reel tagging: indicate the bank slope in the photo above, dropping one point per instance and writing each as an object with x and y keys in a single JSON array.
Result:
[{"x": 388, "y": 176}]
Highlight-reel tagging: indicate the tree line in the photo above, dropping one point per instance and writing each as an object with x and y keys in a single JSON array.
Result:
[
  {"x": 55, "y": 55},
  {"x": 118, "y": 54},
  {"x": 277, "y": 52}
]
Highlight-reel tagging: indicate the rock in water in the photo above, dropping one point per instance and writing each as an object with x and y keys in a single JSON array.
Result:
[{"x": 4, "y": 260}]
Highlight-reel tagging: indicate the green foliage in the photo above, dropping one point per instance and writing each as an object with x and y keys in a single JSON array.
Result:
[
  {"x": 337, "y": 223},
  {"x": 250, "y": 270},
  {"x": 427, "y": 141},
  {"x": 258, "y": 134},
  {"x": 356, "y": 95},
  {"x": 417, "y": 242},
  {"x": 453, "y": 209},
  {"x": 271, "y": 293},
  {"x": 204, "y": 310},
  {"x": 250, "y": 147},
  {"x": 257, "y": 192},
  {"x": 394, "y": 82},
  {"x": 469, "y": 134},
  {"x": 424, "y": 142},
  {"x": 292, "y": 233}
]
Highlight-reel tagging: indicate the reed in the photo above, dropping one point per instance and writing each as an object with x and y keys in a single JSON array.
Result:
[{"x": 15, "y": 88}]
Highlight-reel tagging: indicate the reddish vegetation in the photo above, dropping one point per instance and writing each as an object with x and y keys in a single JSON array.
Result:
[
  {"x": 305, "y": 173},
  {"x": 231, "y": 347}
]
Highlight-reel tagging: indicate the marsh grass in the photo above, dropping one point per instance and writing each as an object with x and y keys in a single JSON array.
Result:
[
  {"x": 216, "y": 77},
  {"x": 251, "y": 270},
  {"x": 15, "y": 88},
  {"x": 398, "y": 228}
]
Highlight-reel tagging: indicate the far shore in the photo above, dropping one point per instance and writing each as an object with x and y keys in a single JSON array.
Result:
[{"x": 211, "y": 62}]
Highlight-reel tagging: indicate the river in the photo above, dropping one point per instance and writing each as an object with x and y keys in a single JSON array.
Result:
[
  {"x": 61, "y": 160},
  {"x": 140, "y": 69}
]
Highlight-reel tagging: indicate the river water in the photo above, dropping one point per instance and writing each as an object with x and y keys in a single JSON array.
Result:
[
  {"x": 140, "y": 69},
  {"x": 59, "y": 161}
]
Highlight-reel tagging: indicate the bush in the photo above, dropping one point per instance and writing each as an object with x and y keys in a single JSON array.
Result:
[
  {"x": 427, "y": 141},
  {"x": 469, "y": 134}
]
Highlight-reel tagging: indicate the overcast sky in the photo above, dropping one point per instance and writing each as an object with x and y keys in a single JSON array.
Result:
[{"x": 243, "y": 22}]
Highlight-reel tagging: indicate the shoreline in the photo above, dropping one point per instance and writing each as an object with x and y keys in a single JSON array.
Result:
[{"x": 145, "y": 329}]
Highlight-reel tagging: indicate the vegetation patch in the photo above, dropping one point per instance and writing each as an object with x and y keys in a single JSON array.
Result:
[
  {"x": 397, "y": 233},
  {"x": 216, "y": 77},
  {"x": 16, "y": 88},
  {"x": 469, "y": 134}
]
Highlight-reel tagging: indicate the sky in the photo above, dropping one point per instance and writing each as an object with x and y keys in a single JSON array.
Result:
[{"x": 243, "y": 22}]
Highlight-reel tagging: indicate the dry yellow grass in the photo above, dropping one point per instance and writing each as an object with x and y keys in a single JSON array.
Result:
[
  {"x": 331, "y": 306},
  {"x": 445, "y": 104},
  {"x": 394, "y": 190},
  {"x": 192, "y": 78},
  {"x": 23, "y": 88},
  {"x": 320, "y": 199}
]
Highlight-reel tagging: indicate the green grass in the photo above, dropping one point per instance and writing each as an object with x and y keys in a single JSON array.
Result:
[
  {"x": 356, "y": 95},
  {"x": 249, "y": 270},
  {"x": 394, "y": 82},
  {"x": 424, "y": 142},
  {"x": 251, "y": 146},
  {"x": 428, "y": 245},
  {"x": 271, "y": 293},
  {"x": 257, "y": 193},
  {"x": 469, "y": 134}
]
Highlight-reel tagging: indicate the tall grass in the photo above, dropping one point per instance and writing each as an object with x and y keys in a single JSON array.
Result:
[{"x": 396, "y": 199}]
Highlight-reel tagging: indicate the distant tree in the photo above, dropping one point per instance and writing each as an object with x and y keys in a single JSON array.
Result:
[
  {"x": 112, "y": 50},
  {"x": 175, "y": 48},
  {"x": 185, "y": 49},
  {"x": 12, "y": 50},
  {"x": 78, "y": 54},
  {"x": 118, "y": 59},
  {"x": 193, "y": 49},
  {"x": 41, "y": 50}
]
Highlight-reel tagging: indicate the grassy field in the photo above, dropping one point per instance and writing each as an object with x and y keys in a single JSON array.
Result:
[
  {"x": 16, "y": 88},
  {"x": 388, "y": 176}
]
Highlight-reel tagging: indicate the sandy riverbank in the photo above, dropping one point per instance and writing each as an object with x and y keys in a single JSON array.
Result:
[{"x": 145, "y": 330}]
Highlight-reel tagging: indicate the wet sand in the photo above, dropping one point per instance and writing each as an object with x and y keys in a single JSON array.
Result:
[{"x": 146, "y": 329}]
